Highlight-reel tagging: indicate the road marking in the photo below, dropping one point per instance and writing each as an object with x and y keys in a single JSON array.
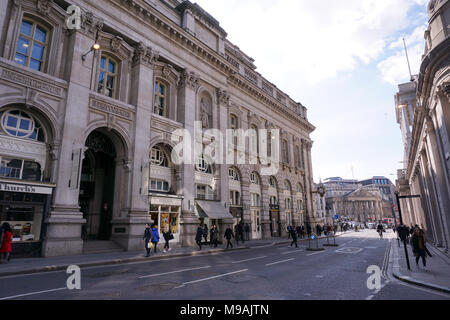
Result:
[
  {"x": 371, "y": 247},
  {"x": 311, "y": 254},
  {"x": 210, "y": 278},
  {"x": 351, "y": 250},
  {"x": 292, "y": 251},
  {"x": 32, "y": 293},
  {"x": 172, "y": 272},
  {"x": 258, "y": 258},
  {"x": 271, "y": 264}
]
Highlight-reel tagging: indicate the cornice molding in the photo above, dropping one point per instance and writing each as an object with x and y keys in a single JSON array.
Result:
[{"x": 259, "y": 94}]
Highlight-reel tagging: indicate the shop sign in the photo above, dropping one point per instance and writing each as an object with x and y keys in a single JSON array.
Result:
[
  {"x": 24, "y": 188},
  {"x": 165, "y": 201}
]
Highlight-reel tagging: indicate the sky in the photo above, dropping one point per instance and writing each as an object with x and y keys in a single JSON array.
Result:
[{"x": 343, "y": 60}]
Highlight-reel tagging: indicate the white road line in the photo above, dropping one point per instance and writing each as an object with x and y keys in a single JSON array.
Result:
[
  {"x": 32, "y": 293},
  {"x": 292, "y": 252},
  {"x": 258, "y": 258},
  {"x": 311, "y": 254},
  {"x": 172, "y": 272},
  {"x": 271, "y": 264},
  {"x": 210, "y": 278}
]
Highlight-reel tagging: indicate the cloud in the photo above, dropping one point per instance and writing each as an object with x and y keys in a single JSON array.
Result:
[
  {"x": 315, "y": 40},
  {"x": 394, "y": 69}
]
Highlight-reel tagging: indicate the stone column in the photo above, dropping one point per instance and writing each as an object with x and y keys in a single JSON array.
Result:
[
  {"x": 188, "y": 86},
  {"x": 142, "y": 88},
  {"x": 63, "y": 234}
]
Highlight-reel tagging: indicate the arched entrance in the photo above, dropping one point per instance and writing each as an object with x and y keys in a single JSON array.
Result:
[{"x": 97, "y": 184}]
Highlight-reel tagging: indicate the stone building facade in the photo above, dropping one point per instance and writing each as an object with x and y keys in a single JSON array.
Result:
[
  {"x": 423, "y": 106},
  {"x": 87, "y": 135},
  {"x": 351, "y": 201}
]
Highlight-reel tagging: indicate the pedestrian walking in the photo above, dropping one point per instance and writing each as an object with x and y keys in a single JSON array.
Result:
[
  {"x": 236, "y": 234},
  {"x": 198, "y": 236},
  {"x": 155, "y": 236},
  {"x": 167, "y": 234},
  {"x": 147, "y": 239},
  {"x": 241, "y": 231},
  {"x": 299, "y": 231},
  {"x": 5, "y": 242},
  {"x": 303, "y": 232},
  {"x": 289, "y": 231},
  {"x": 247, "y": 231},
  {"x": 205, "y": 233},
  {"x": 228, "y": 235},
  {"x": 418, "y": 242},
  {"x": 294, "y": 237},
  {"x": 214, "y": 236}
]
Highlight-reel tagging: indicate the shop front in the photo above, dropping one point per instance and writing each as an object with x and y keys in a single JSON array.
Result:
[
  {"x": 213, "y": 213},
  {"x": 24, "y": 206},
  {"x": 165, "y": 212},
  {"x": 238, "y": 214}
]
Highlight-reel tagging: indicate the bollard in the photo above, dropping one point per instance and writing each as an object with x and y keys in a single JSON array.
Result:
[
  {"x": 328, "y": 244},
  {"x": 314, "y": 237}
]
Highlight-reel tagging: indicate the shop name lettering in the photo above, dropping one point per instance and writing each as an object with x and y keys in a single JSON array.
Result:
[
  {"x": 14, "y": 188},
  {"x": 245, "y": 310}
]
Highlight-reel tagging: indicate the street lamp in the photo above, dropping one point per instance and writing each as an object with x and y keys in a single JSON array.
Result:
[{"x": 95, "y": 47}]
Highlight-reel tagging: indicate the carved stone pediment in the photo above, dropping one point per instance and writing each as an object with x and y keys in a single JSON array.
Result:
[
  {"x": 145, "y": 55},
  {"x": 189, "y": 79}
]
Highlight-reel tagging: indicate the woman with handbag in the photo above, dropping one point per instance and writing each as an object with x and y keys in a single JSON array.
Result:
[{"x": 147, "y": 239}]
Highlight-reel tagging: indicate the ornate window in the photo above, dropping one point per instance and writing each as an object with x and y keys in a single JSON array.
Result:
[
  {"x": 205, "y": 192},
  {"x": 19, "y": 124},
  {"x": 255, "y": 200},
  {"x": 160, "y": 107},
  {"x": 254, "y": 179},
  {"x": 272, "y": 182},
  {"x": 285, "y": 152},
  {"x": 273, "y": 200},
  {"x": 253, "y": 140},
  {"x": 234, "y": 126},
  {"x": 32, "y": 45},
  {"x": 203, "y": 165},
  {"x": 235, "y": 198},
  {"x": 158, "y": 157},
  {"x": 288, "y": 203},
  {"x": 287, "y": 185},
  {"x": 107, "y": 77},
  {"x": 232, "y": 174}
]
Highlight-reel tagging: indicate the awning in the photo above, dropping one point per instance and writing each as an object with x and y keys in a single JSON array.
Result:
[{"x": 212, "y": 210}]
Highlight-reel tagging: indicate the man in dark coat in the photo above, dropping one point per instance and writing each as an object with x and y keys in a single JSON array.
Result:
[
  {"x": 214, "y": 234},
  {"x": 294, "y": 237},
  {"x": 241, "y": 231},
  {"x": 247, "y": 231},
  {"x": 147, "y": 238},
  {"x": 205, "y": 233},
  {"x": 228, "y": 235},
  {"x": 418, "y": 241},
  {"x": 198, "y": 236},
  {"x": 236, "y": 234}
]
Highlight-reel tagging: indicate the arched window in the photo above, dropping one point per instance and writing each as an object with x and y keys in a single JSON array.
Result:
[
  {"x": 272, "y": 182},
  {"x": 32, "y": 45},
  {"x": 285, "y": 152},
  {"x": 160, "y": 107},
  {"x": 234, "y": 126},
  {"x": 232, "y": 174},
  {"x": 299, "y": 188},
  {"x": 253, "y": 139},
  {"x": 287, "y": 185},
  {"x": 19, "y": 124},
  {"x": 159, "y": 158},
  {"x": 107, "y": 77},
  {"x": 203, "y": 165},
  {"x": 254, "y": 179}
]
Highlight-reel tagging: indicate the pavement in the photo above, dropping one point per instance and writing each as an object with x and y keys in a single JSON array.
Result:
[
  {"x": 437, "y": 275},
  {"x": 49, "y": 264}
]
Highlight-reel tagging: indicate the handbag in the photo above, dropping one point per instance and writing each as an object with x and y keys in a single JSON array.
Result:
[
  {"x": 150, "y": 245},
  {"x": 171, "y": 237}
]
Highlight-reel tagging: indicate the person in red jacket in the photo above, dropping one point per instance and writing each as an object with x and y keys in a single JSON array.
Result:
[{"x": 6, "y": 248}]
